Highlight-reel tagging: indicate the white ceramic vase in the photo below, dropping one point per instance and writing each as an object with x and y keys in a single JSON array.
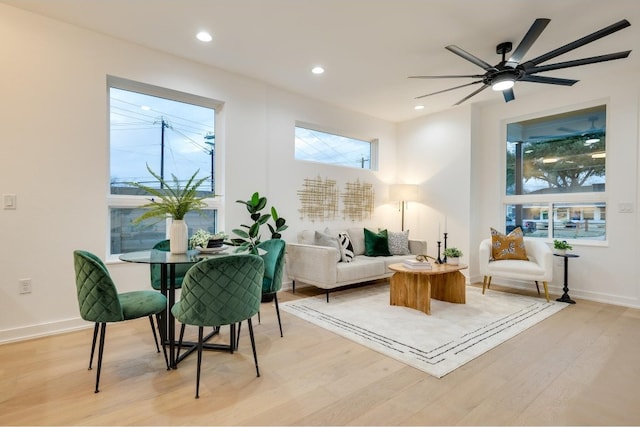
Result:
[
  {"x": 453, "y": 260},
  {"x": 178, "y": 237}
]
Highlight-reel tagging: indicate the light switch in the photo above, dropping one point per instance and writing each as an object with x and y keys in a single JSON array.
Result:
[
  {"x": 9, "y": 201},
  {"x": 625, "y": 207}
]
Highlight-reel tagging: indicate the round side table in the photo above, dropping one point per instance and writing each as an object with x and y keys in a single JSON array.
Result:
[{"x": 565, "y": 297}]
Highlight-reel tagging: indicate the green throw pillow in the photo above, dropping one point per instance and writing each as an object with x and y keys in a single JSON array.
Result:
[{"x": 376, "y": 244}]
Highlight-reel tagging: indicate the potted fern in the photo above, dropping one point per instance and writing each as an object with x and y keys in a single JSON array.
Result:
[{"x": 174, "y": 200}]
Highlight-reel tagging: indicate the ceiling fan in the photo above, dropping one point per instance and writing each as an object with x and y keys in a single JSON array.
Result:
[{"x": 502, "y": 76}]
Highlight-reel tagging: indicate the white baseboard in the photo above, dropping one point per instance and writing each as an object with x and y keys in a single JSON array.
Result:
[{"x": 41, "y": 330}]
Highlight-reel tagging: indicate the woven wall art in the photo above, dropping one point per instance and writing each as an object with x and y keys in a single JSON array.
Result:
[
  {"x": 318, "y": 199},
  {"x": 357, "y": 201}
]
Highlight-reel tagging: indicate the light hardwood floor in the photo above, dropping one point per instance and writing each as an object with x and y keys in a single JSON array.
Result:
[{"x": 578, "y": 367}]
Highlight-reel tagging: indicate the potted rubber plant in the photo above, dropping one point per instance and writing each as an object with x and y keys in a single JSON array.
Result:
[
  {"x": 174, "y": 200},
  {"x": 249, "y": 235}
]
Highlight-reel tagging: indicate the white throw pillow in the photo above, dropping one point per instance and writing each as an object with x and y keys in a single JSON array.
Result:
[{"x": 356, "y": 234}]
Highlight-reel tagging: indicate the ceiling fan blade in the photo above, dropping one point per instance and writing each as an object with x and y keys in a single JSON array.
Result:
[
  {"x": 508, "y": 95},
  {"x": 580, "y": 42},
  {"x": 469, "y": 57},
  {"x": 548, "y": 80},
  {"x": 577, "y": 62},
  {"x": 527, "y": 41},
  {"x": 447, "y": 90},
  {"x": 472, "y": 94},
  {"x": 473, "y": 76}
]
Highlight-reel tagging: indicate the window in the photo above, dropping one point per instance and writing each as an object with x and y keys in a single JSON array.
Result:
[
  {"x": 171, "y": 132},
  {"x": 317, "y": 146},
  {"x": 556, "y": 175}
]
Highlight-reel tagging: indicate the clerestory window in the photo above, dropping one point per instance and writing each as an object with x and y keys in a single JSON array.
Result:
[{"x": 318, "y": 146}]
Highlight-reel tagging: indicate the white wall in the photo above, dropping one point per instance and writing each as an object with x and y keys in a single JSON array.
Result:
[
  {"x": 54, "y": 152},
  {"x": 434, "y": 151}
]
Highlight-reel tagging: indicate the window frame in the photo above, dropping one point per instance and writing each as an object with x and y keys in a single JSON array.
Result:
[
  {"x": 549, "y": 201},
  {"x": 115, "y": 201}
]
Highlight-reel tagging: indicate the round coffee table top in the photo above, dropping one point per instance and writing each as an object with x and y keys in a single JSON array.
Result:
[{"x": 435, "y": 268}]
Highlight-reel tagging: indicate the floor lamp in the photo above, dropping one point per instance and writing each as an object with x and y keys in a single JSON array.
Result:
[{"x": 404, "y": 193}]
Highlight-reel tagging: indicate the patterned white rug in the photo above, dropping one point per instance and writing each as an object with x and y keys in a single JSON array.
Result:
[{"x": 453, "y": 335}]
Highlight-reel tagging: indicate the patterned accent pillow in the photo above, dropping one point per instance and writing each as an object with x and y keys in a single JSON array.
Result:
[
  {"x": 510, "y": 246},
  {"x": 346, "y": 248},
  {"x": 399, "y": 242}
]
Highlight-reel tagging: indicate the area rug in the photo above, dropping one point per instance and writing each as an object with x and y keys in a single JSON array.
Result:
[{"x": 437, "y": 344}]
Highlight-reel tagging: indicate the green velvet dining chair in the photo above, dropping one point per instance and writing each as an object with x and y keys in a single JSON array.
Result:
[
  {"x": 221, "y": 291},
  {"x": 155, "y": 269},
  {"x": 274, "y": 257},
  {"x": 100, "y": 302}
]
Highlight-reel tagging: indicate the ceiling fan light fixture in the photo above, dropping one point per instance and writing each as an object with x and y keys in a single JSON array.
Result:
[{"x": 503, "y": 82}]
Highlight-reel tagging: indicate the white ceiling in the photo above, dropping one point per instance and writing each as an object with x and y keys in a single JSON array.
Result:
[{"x": 368, "y": 47}]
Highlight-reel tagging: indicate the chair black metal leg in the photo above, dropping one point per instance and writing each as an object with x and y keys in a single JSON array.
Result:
[
  {"x": 238, "y": 335},
  {"x": 103, "y": 332},
  {"x": 275, "y": 298},
  {"x": 200, "y": 329},
  {"x": 182, "y": 327},
  {"x": 232, "y": 337},
  {"x": 93, "y": 344},
  {"x": 155, "y": 336},
  {"x": 293, "y": 285},
  {"x": 159, "y": 321},
  {"x": 253, "y": 346},
  {"x": 538, "y": 287},
  {"x": 259, "y": 318}
]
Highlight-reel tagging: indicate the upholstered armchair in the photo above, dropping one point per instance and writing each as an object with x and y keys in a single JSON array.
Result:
[{"x": 538, "y": 267}]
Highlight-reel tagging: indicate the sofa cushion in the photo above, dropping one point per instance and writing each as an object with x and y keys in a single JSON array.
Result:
[
  {"x": 356, "y": 234},
  {"x": 322, "y": 239},
  {"x": 376, "y": 244},
  {"x": 360, "y": 270},
  {"x": 510, "y": 246},
  {"x": 399, "y": 242},
  {"x": 346, "y": 248}
]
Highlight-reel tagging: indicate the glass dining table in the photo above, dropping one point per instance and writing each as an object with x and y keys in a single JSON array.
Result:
[{"x": 167, "y": 262}]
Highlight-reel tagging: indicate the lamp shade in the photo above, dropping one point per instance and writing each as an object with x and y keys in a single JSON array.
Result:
[{"x": 404, "y": 192}]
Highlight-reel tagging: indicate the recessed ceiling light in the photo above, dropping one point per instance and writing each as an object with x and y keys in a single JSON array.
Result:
[
  {"x": 419, "y": 107},
  {"x": 317, "y": 70},
  {"x": 203, "y": 36}
]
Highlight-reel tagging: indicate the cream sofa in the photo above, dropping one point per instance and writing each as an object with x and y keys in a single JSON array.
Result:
[{"x": 316, "y": 265}]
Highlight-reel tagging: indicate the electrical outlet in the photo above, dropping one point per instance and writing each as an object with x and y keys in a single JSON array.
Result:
[{"x": 25, "y": 286}]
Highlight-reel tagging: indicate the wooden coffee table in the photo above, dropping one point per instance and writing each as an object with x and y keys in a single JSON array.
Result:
[{"x": 415, "y": 288}]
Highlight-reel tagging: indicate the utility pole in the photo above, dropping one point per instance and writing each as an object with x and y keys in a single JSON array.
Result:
[
  {"x": 163, "y": 124},
  {"x": 209, "y": 139}
]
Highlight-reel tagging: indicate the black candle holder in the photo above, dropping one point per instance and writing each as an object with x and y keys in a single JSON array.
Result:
[
  {"x": 439, "y": 261},
  {"x": 444, "y": 259}
]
